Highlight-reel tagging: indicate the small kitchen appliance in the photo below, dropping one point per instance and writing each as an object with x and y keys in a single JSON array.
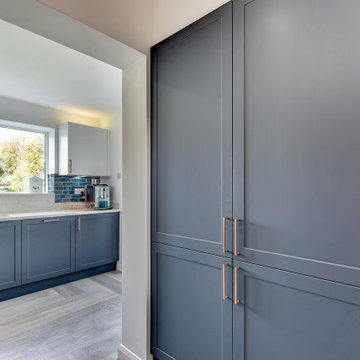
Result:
[
  {"x": 89, "y": 194},
  {"x": 102, "y": 197},
  {"x": 90, "y": 191}
]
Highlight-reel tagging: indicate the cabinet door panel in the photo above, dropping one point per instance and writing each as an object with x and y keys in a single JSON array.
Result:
[
  {"x": 10, "y": 254},
  {"x": 88, "y": 150},
  {"x": 83, "y": 150},
  {"x": 191, "y": 134},
  {"x": 97, "y": 239},
  {"x": 286, "y": 316},
  {"x": 48, "y": 248},
  {"x": 190, "y": 319},
  {"x": 297, "y": 107}
]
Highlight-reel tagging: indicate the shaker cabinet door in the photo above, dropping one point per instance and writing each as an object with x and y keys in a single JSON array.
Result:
[
  {"x": 83, "y": 150},
  {"x": 10, "y": 254},
  {"x": 282, "y": 316},
  {"x": 97, "y": 240},
  {"x": 190, "y": 318},
  {"x": 296, "y": 104},
  {"x": 48, "y": 248},
  {"x": 192, "y": 135}
]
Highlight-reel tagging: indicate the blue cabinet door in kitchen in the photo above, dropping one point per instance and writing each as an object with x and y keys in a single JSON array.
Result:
[
  {"x": 296, "y": 104},
  {"x": 10, "y": 254},
  {"x": 48, "y": 248},
  {"x": 280, "y": 315},
  {"x": 97, "y": 240},
  {"x": 192, "y": 136},
  {"x": 191, "y": 305}
]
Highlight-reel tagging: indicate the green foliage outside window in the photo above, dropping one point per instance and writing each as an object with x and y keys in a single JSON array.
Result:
[{"x": 20, "y": 159}]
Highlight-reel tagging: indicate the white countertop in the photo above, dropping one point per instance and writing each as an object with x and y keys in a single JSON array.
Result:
[{"x": 57, "y": 213}]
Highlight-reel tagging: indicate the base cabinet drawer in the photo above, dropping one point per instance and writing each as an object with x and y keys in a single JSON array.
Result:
[
  {"x": 190, "y": 318},
  {"x": 97, "y": 240},
  {"x": 48, "y": 248},
  {"x": 10, "y": 254},
  {"x": 282, "y": 316}
]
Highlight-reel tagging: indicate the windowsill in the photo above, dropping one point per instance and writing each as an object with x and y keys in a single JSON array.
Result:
[{"x": 23, "y": 193}]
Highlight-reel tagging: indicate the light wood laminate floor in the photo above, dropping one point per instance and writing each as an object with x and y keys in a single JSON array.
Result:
[{"x": 76, "y": 321}]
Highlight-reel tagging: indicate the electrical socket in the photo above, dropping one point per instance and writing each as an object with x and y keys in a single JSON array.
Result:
[{"x": 79, "y": 191}]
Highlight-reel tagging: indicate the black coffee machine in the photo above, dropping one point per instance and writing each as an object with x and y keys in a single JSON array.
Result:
[{"x": 90, "y": 191}]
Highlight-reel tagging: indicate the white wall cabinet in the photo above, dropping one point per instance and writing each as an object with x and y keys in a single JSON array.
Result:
[{"x": 83, "y": 150}]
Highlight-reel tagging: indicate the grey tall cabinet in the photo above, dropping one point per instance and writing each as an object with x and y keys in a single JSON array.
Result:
[{"x": 255, "y": 184}]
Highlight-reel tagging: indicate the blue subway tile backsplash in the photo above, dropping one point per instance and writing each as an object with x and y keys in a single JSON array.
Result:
[{"x": 64, "y": 187}]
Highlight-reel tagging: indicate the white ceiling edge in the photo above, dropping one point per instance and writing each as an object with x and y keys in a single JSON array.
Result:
[{"x": 45, "y": 21}]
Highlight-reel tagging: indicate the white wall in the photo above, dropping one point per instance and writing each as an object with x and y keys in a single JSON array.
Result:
[
  {"x": 135, "y": 244},
  {"x": 139, "y": 24},
  {"x": 20, "y": 111},
  {"x": 44, "y": 21},
  {"x": 116, "y": 163},
  {"x": 27, "y": 113}
]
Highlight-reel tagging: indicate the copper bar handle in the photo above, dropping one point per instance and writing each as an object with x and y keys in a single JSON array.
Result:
[
  {"x": 224, "y": 281},
  {"x": 236, "y": 250},
  {"x": 224, "y": 234},
  {"x": 70, "y": 166},
  {"x": 236, "y": 297},
  {"x": 50, "y": 220}
]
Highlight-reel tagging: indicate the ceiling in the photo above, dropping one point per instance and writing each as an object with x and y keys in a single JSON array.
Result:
[{"x": 40, "y": 71}]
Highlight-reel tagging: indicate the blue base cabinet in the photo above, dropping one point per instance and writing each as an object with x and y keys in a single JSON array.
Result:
[
  {"x": 39, "y": 253},
  {"x": 97, "y": 240},
  {"x": 280, "y": 316},
  {"x": 190, "y": 318},
  {"x": 48, "y": 248},
  {"x": 10, "y": 254}
]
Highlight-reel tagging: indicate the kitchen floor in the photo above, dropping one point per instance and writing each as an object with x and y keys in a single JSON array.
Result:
[{"x": 75, "y": 321}]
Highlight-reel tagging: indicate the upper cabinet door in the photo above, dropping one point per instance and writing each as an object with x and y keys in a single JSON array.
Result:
[
  {"x": 83, "y": 150},
  {"x": 296, "y": 104},
  {"x": 192, "y": 135}
]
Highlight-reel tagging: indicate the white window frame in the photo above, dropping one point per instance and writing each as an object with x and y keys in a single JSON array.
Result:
[{"x": 49, "y": 166}]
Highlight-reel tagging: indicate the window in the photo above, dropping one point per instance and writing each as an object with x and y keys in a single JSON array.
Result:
[{"x": 24, "y": 153}]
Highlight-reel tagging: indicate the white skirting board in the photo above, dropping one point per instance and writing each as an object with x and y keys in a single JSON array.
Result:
[
  {"x": 118, "y": 266},
  {"x": 125, "y": 354}
]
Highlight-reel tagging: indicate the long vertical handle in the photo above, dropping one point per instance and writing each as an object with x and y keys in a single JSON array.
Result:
[
  {"x": 79, "y": 224},
  {"x": 236, "y": 250},
  {"x": 70, "y": 166},
  {"x": 224, "y": 234},
  {"x": 224, "y": 281},
  {"x": 236, "y": 296}
]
